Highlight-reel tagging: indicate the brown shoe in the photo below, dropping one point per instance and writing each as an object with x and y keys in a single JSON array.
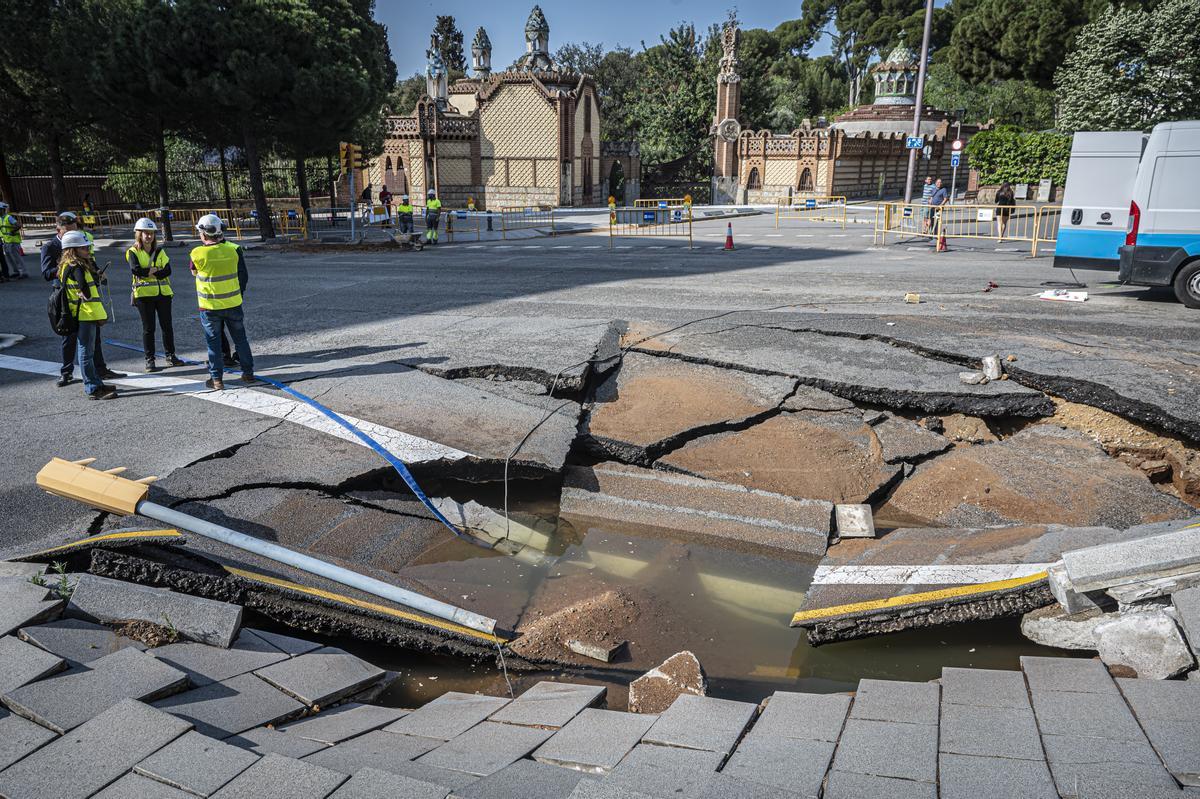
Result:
[
  {"x": 249, "y": 380},
  {"x": 215, "y": 385},
  {"x": 104, "y": 393}
]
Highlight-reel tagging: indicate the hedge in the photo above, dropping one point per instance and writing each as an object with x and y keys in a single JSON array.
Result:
[{"x": 1006, "y": 154}]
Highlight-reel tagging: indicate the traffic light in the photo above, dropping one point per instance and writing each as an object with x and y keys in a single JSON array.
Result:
[{"x": 350, "y": 156}]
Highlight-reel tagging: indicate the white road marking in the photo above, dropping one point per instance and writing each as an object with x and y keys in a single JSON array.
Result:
[
  {"x": 532, "y": 247},
  {"x": 624, "y": 246},
  {"x": 561, "y": 247},
  {"x": 592, "y": 247},
  {"x": 774, "y": 235},
  {"x": 838, "y": 235},
  {"x": 656, "y": 247},
  {"x": 504, "y": 246},
  {"x": 944, "y": 574},
  {"x": 804, "y": 235},
  {"x": 406, "y": 447},
  {"x": 761, "y": 247}
]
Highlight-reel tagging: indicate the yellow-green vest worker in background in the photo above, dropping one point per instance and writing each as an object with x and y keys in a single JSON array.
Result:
[
  {"x": 404, "y": 213},
  {"x": 79, "y": 277},
  {"x": 220, "y": 270},
  {"x": 150, "y": 269},
  {"x": 10, "y": 244},
  {"x": 433, "y": 211}
]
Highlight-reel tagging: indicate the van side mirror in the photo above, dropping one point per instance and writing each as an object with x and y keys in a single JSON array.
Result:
[{"x": 1076, "y": 216}]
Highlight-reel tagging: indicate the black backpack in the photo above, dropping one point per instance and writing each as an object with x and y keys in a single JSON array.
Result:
[{"x": 64, "y": 319}]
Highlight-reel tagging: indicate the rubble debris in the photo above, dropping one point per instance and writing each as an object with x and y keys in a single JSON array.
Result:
[
  {"x": 600, "y": 617},
  {"x": 1135, "y": 560},
  {"x": 973, "y": 378},
  {"x": 969, "y": 429},
  {"x": 991, "y": 367},
  {"x": 854, "y": 521},
  {"x": 657, "y": 689},
  {"x": 1069, "y": 599},
  {"x": 932, "y": 423},
  {"x": 604, "y": 652},
  {"x": 1187, "y": 610},
  {"x": 912, "y": 299},
  {"x": 1147, "y": 641},
  {"x": 99, "y": 599},
  {"x": 1051, "y": 626},
  {"x": 148, "y": 633},
  {"x": 904, "y": 441},
  {"x": 493, "y": 528}
]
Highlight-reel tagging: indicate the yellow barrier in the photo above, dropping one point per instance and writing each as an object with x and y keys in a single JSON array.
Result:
[
  {"x": 656, "y": 202},
  {"x": 816, "y": 208},
  {"x": 464, "y": 223},
  {"x": 36, "y": 220},
  {"x": 647, "y": 221},
  {"x": 1046, "y": 227},
  {"x": 1021, "y": 223},
  {"x": 244, "y": 221},
  {"x": 526, "y": 217}
]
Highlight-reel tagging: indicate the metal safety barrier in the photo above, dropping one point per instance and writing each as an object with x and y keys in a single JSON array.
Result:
[
  {"x": 245, "y": 221},
  {"x": 660, "y": 202},
  {"x": 816, "y": 208},
  {"x": 526, "y": 217},
  {"x": 650, "y": 221},
  {"x": 1046, "y": 226},
  {"x": 1025, "y": 224},
  {"x": 37, "y": 221}
]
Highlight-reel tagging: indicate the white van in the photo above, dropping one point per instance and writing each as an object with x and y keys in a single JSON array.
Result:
[
  {"x": 1100, "y": 180},
  {"x": 1162, "y": 240}
]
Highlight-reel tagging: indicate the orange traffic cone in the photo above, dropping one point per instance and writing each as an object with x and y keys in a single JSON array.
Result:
[{"x": 729, "y": 237}]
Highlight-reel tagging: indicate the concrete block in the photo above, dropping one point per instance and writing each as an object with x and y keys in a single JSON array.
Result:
[
  {"x": 93, "y": 755},
  {"x": 1187, "y": 610},
  {"x": 1165, "y": 700},
  {"x": 549, "y": 704},
  {"x": 448, "y": 716},
  {"x": 1084, "y": 714},
  {"x": 657, "y": 689},
  {"x": 1112, "y": 781},
  {"x": 990, "y": 732},
  {"x": 64, "y": 702},
  {"x": 810, "y": 717},
  {"x": 601, "y": 652},
  {"x": 108, "y": 601},
  {"x": 135, "y": 786},
  {"x": 854, "y": 521},
  {"x": 788, "y": 764},
  {"x": 664, "y": 770},
  {"x": 377, "y": 749},
  {"x": 724, "y": 786},
  {"x": 524, "y": 779},
  {"x": 342, "y": 722},
  {"x": 322, "y": 676},
  {"x": 1052, "y": 626},
  {"x": 78, "y": 641},
  {"x": 196, "y": 763},
  {"x": 1140, "y": 591},
  {"x": 286, "y": 643},
  {"x": 1069, "y": 599},
  {"x": 1147, "y": 641},
  {"x": 20, "y": 736},
  {"x": 1130, "y": 561},
  {"x": 598, "y": 789},
  {"x": 241, "y": 703},
  {"x": 279, "y": 777},
  {"x": 1067, "y": 674},
  {"x": 265, "y": 741},
  {"x": 372, "y": 783},
  {"x": 984, "y": 687},
  {"x": 1082, "y": 750},
  {"x": 888, "y": 749},
  {"x": 849, "y": 785},
  {"x": 595, "y": 741},
  {"x": 701, "y": 722},
  {"x": 22, "y": 663},
  {"x": 895, "y": 700},
  {"x": 991, "y": 367},
  {"x": 968, "y": 777},
  {"x": 206, "y": 664},
  {"x": 486, "y": 748}
]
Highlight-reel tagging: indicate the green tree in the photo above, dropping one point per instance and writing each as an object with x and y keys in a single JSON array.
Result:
[
  {"x": 1001, "y": 100},
  {"x": 449, "y": 40},
  {"x": 1007, "y": 154},
  {"x": 402, "y": 100},
  {"x": 675, "y": 101},
  {"x": 582, "y": 58}
]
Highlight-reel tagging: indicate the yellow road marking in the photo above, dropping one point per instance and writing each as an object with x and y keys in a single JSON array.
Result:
[
  {"x": 358, "y": 603},
  {"x": 912, "y": 599},
  {"x": 125, "y": 536},
  {"x": 1190, "y": 526}
]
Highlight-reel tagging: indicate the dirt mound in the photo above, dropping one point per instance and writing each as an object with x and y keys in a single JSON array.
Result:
[{"x": 600, "y": 619}]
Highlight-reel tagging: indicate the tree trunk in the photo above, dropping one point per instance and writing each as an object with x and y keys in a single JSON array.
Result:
[
  {"x": 225, "y": 181},
  {"x": 164, "y": 197},
  {"x": 302, "y": 188},
  {"x": 266, "y": 228},
  {"x": 6, "y": 187},
  {"x": 58, "y": 186}
]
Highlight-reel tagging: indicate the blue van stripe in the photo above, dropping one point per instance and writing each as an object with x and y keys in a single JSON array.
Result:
[
  {"x": 1089, "y": 243},
  {"x": 1189, "y": 242}
]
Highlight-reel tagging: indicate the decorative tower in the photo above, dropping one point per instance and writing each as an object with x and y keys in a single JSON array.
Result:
[
  {"x": 435, "y": 75},
  {"x": 726, "y": 127},
  {"x": 537, "y": 43},
  {"x": 481, "y": 54},
  {"x": 896, "y": 76}
]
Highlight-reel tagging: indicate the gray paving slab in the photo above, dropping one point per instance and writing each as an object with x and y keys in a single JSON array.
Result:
[
  {"x": 241, "y": 703},
  {"x": 702, "y": 722},
  {"x": 135, "y": 786},
  {"x": 206, "y": 664},
  {"x": 486, "y": 748},
  {"x": 21, "y": 571},
  {"x": 1100, "y": 566},
  {"x": 286, "y": 643},
  {"x": 984, "y": 687},
  {"x": 896, "y": 700},
  {"x": 785, "y": 763},
  {"x": 888, "y": 749},
  {"x": 322, "y": 676},
  {"x": 208, "y": 621},
  {"x": 596, "y": 740},
  {"x": 524, "y": 779},
  {"x": 549, "y": 704},
  {"x": 448, "y": 779},
  {"x": 93, "y": 755},
  {"x": 1187, "y": 610},
  {"x": 196, "y": 763},
  {"x": 848, "y": 785},
  {"x": 1166, "y": 700},
  {"x": 665, "y": 770},
  {"x": 1009, "y": 732},
  {"x": 1082, "y": 750},
  {"x": 970, "y": 777},
  {"x": 1084, "y": 714},
  {"x": 724, "y": 786},
  {"x": 603, "y": 789},
  {"x": 373, "y": 783},
  {"x": 76, "y": 640},
  {"x": 1178, "y": 744},
  {"x": 378, "y": 749},
  {"x": 264, "y": 740},
  {"x": 279, "y": 777},
  {"x": 1112, "y": 781},
  {"x": 20, "y": 736},
  {"x": 450, "y": 715},
  {"x": 20, "y": 607},
  {"x": 1067, "y": 674},
  {"x": 812, "y": 717},
  {"x": 64, "y": 702},
  {"x": 22, "y": 663},
  {"x": 344, "y": 721}
]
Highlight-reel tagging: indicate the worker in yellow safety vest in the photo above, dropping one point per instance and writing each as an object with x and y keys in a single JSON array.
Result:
[
  {"x": 10, "y": 243},
  {"x": 220, "y": 270},
  {"x": 81, "y": 279},
  {"x": 151, "y": 294},
  {"x": 404, "y": 213},
  {"x": 433, "y": 212}
]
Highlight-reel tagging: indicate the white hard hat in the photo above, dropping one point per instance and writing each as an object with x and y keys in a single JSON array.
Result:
[
  {"x": 146, "y": 223},
  {"x": 3, "y": 204},
  {"x": 432, "y": 192},
  {"x": 210, "y": 225},
  {"x": 66, "y": 216},
  {"x": 74, "y": 238},
  {"x": 403, "y": 196}
]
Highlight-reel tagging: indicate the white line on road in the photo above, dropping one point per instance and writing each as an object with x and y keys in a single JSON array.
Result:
[
  {"x": 532, "y": 247},
  {"x": 804, "y": 235},
  {"x": 561, "y": 247},
  {"x": 774, "y": 235},
  {"x": 761, "y": 247},
  {"x": 656, "y": 247},
  {"x": 592, "y": 247},
  {"x": 838, "y": 235},
  {"x": 944, "y": 574}
]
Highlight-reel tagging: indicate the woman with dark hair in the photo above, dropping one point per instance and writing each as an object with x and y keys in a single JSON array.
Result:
[{"x": 1005, "y": 201}]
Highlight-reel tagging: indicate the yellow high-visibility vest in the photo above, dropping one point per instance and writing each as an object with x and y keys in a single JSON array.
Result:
[
  {"x": 434, "y": 205},
  {"x": 404, "y": 208},
  {"x": 217, "y": 285},
  {"x": 149, "y": 286},
  {"x": 9, "y": 234},
  {"x": 89, "y": 309}
]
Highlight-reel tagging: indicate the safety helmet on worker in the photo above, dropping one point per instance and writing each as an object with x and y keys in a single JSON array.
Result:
[
  {"x": 66, "y": 217},
  {"x": 404, "y": 197},
  {"x": 3, "y": 205},
  {"x": 75, "y": 238},
  {"x": 146, "y": 224},
  {"x": 432, "y": 193},
  {"x": 211, "y": 225}
]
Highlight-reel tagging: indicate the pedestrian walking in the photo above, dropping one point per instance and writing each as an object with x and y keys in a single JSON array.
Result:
[
  {"x": 385, "y": 199},
  {"x": 151, "y": 292},
  {"x": 66, "y": 222},
  {"x": 10, "y": 242},
  {"x": 433, "y": 212},
  {"x": 937, "y": 202},
  {"x": 220, "y": 270},
  {"x": 404, "y": 214},
  {"x": 1005, "y": 202},
  {"x": 79, "y": 276},
  {"x": 926, "y": 196}
]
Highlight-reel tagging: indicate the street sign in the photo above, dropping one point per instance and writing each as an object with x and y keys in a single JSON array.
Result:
[
  {"x": 810, "y": 203},
  {"x": 954, "y": 159},
  {"x": 662, "y": 203},
  {"x": 957, "y": 145},
  {"x": 914, "y": 142},
  {"x": 648, "y": 216},
  {"x": 907, "y": 211}
]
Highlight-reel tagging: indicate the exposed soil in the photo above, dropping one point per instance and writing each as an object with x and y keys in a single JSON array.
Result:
[{"x": 147, "y": 632}]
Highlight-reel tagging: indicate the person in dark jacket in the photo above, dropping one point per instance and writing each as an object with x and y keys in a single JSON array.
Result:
[
  {"x": 1005, "y": 202},
  {"x": 51, "y": 253}
]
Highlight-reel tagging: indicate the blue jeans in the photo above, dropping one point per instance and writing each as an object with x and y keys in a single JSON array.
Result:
[
  {"x": 215, "y": 323},
  {"x": 88, "y": 341}
]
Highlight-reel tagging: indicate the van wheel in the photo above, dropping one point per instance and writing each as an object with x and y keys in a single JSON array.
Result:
[{"x": 1187, "y": 284}]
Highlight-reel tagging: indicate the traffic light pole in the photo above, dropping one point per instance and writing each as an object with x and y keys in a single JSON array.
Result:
[{"x": 916, "y": 131}]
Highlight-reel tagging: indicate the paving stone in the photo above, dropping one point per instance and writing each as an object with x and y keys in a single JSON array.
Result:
[
  {"x": 93, "y": 755},
  {"x": 78, "y": 641},
  {"x": 848, "y": 785},
  {"x": 1166, "y": 700},
  {"x": 20, "y": 736},
  {"x": 22, "y": 603},
  {"x": 1067, "y": 674},
  {"x": 549, "y": 704},
  {"x": 279, "y": 777},
  {"x": 486, "y": 748},
  {"x": 21, "y": 571},
  {"x": 196, "y": 763},
  {"x": 206, "y": 664},
  {"x": 1178, "y": 744},
  {"x": 854, "y": 521},
  {"x": 1096, "y": 715},
  {"x": 344, "y": 721},
  {"x": 241, "y": 703},
  {"x": 701, "y": 722},
  {"x": 888, "y": 749},
  {"x": 658, "y": 688},
  {"x": 377, "y": 749},
  {"x": 595, "y": 740},
  {"x": 812, "y": 717},
  {"x": 1187, "y": 609},
  {"x": 286, "y": 643},
  {"x": 322, "y": 676},
  {"x": 785, "y": 763},
  {"x": 1081, "y": 750},
  {"x": 100, "y": 599},
  {"x": 984, "y": 687},
  {"x": 968, "y": 777},
  {"x": 1112, "y": 781},
  {"x": 524, "y": 779},
  {"x": 22, "y": 663},
  {"x": 724, "y": 786},
  {"x": 372, "y": 783},
  {"x": 597, "y": 789},
  {"x": 1127, "y": 561},
  {"x": 135, "y": 786},
  {"x": 450, "y": 780},
  {"x": 264, "y": 741},
  {"x": 990, "y": 732},
  {"x": 895, "y": 700},
  {"x": 448, "y": 716},
  {"x": 64, "y": 702},
  {"x": 664, "y": 770}
]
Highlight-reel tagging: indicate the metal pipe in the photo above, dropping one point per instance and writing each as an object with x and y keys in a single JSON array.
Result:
[
  {"x": 912, "y": 154},
  {"x": 312, "y": 565}
]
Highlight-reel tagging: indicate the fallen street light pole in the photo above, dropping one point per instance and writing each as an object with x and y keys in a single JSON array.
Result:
[{"x": 107, "y": 491}]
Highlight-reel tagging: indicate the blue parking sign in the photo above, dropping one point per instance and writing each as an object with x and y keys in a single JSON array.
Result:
[
  {"x": 954, "y": 159},
  {"x": 810, "y": 203},
  {"x": 914, "y": 142},
  {"x": 648, "y": 216}
]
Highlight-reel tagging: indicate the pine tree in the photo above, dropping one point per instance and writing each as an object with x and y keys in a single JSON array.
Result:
[{"x": 449, "y": 40}]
